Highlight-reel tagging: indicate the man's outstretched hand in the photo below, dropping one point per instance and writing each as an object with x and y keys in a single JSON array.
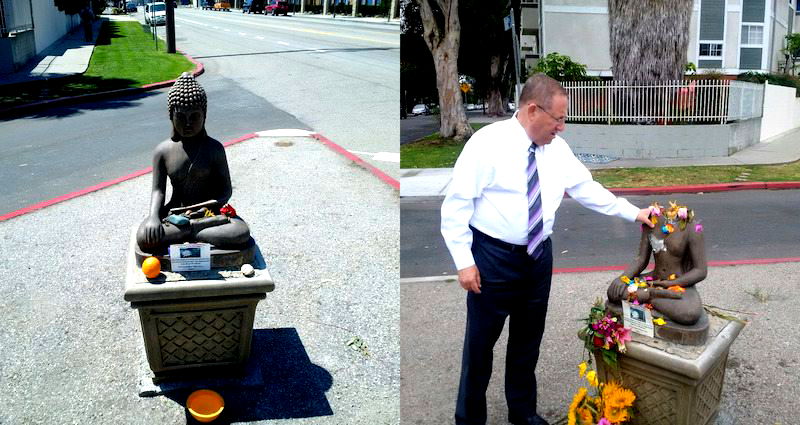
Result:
[
  {"x": 470, "y": 279},
  {"x": 644, "y": 217}
]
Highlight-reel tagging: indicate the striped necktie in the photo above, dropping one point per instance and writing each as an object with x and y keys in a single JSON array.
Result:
[{"x": 535, "y": 221}]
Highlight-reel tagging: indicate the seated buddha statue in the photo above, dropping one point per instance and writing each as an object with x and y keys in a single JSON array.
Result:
[
  {"x": 676, "y": 243},
  {"x": 197, "y": 168}
]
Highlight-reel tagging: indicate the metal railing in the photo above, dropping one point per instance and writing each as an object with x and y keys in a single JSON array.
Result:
[
  {"x": 669, "y": 102},
  {"x": 15, "y": 16}
]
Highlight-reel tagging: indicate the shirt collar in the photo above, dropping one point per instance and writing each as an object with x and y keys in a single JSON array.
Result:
[{"x": 524, "y": 141}]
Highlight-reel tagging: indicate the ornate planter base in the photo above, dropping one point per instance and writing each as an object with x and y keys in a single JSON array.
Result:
[
  {"x": 675, "y": 384},
  {"x": 196, "y": 321}
]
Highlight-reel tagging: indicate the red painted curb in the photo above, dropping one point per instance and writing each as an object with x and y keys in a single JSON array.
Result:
[
  {"x": 719, "y": 187},
  {"x": 44, "y": 204},
  {"x": 378, "y": 173},
  {"x": 755, "y": 261},
  {"x": 72, "y": 195}
]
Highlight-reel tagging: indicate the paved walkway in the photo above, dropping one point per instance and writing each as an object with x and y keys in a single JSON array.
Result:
[{"x": 70, "y": 347}]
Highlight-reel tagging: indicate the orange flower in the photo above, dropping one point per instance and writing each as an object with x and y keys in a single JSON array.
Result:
[{"x": 677, "y": 288}]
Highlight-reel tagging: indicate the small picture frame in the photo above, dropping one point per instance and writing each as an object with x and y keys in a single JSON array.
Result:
[
  {"x": 638, "y": 319},
  {"x": 190, "y": 257}
]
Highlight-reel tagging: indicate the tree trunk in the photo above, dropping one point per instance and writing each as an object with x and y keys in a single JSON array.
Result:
[
  {"x": 494, "y": 103},
  {"x": 442, "y": 34},
  {"x": 648, "y": 39}
]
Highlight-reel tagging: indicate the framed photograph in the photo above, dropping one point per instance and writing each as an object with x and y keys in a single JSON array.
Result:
[
  {"x": 190, "y": 257},
  {"x": 637, "y": 318}
]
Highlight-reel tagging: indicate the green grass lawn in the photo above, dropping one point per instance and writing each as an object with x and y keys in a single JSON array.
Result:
[
  {"x": 436, "y": 152},
  {"x": 125, "y": 56},
  {"x": 432, "y": 151}
]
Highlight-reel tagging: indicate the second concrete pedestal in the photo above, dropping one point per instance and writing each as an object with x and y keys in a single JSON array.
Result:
[
  {"x": 196, "y": 321},
  {"x": 674, "y": 384}
]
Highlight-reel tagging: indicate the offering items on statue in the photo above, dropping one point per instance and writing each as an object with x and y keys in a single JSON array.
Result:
[{"x": 680, "y": 263}]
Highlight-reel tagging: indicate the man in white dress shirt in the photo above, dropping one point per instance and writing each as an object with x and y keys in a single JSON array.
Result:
[{"x": 496, "y": 220}]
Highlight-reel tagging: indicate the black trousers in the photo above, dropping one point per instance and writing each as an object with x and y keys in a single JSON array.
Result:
[{"x": 513, "y": 285}]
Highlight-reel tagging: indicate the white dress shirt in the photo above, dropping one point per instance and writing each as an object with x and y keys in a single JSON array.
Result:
[{"x": 489, "y": 188}]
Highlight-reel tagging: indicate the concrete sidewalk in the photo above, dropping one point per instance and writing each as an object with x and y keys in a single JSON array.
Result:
[
  {"x": 70, "y": 55},
  {"x": 70, "y": 346},
  {"x": 781, "y": 149},
  {"x": 760, "y": 380}
]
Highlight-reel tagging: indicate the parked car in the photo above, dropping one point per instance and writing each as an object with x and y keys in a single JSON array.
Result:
[
  {"x": 277, "y": 7},
  {"x": 155, "y": 13},
  {"x": 253, "y": 6},
  {"x": 420, "y": 109},
  {"x": 131, "y": 7}
]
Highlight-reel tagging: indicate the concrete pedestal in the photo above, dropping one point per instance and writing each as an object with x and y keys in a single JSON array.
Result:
[
  {"x": 675, "y": 384},
  {"x": 196, "y": 321}
]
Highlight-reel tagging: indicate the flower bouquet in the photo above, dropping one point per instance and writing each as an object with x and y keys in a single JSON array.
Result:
[
  {"x": 604, "y": 332},
  {"x": 611, "y": 404}
]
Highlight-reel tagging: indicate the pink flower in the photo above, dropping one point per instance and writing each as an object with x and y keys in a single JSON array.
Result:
[
  {"x": 635, "y": 302},
  {"x": 698, "y": 228},
  {"x": 648, "y": 278},
  {"x": 604, "y": 421},
  {"x": 655, "y": 211},
  {"x": 683, "y": 213}
]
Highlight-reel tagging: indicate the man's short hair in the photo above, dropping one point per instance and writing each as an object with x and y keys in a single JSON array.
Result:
[{"x": 540, "y": 89}]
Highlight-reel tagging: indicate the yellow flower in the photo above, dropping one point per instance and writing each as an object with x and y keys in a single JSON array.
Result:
[
  {"x": 625, "y": 279},
  {"x": 672, "y": 276},
  {"x": 584, "y": 416},
  {"x": 659, "y": 322},
  {"x": 573, "y": 407},
  {"x": 617, "y": 400},
  {"x": 582, "y": 368},
  {"x": 591, "y": 376}
]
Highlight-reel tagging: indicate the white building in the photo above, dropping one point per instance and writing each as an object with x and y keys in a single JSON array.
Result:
[
  {"x": 729, "y": 36},
  {"x": 28, "y": 27}
]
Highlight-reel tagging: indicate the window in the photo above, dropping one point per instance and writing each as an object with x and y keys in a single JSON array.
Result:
[
  {"x": 711, "y": 49},
  {"x": 752, "y": 34}
]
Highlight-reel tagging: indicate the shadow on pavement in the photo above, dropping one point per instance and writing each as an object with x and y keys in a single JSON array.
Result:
[
  {"x": 293, "y": 386},
  {"x": 61, "y": 111}
]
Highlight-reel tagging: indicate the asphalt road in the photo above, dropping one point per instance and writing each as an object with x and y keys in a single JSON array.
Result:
[
  {"x": 742, "y": 225},
  {"x": 339, "y": 79}
]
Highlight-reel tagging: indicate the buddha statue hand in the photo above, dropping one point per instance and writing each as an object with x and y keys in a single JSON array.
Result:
[
  {"x": 151, "y": 231},
  {"x": 646, "y": 295},
  {"x": 618, "y": 291}
]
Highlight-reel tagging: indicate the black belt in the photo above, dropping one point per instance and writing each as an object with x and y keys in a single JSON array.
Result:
[{"x": 510, "y": 247}]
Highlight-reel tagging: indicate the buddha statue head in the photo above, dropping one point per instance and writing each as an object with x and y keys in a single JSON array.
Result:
[{"x": 187, "y": 105}]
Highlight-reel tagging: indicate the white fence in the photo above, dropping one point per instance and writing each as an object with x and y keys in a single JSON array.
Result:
[{"x": 670, "y": 102}]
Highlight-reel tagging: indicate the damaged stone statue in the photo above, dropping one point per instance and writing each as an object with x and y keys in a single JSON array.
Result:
[
  {"x": 197, "y": 168},
  {"x": 677, "y": 245}
]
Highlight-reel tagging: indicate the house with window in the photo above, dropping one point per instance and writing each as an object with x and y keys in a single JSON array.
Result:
[{"x": 728, "y": 36}]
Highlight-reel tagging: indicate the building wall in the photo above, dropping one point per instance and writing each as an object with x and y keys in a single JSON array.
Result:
[
  {"x": 781, "y": 111},
  {"x": 50, "y": 24},
  {"x": 578, "y": 29},
  {"x": 660, "y": 141}
]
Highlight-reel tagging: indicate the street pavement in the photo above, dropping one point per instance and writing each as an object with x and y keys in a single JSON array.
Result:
[
  {"x": 739, "y": 226},
  {"x": 70, "y": 346}
]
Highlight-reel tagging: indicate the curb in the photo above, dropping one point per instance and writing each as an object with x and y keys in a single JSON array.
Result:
[
  {"x": 718, "y": 187},
  {"x": 16, "y": 111},
  {"x": 85, "y": 191}
]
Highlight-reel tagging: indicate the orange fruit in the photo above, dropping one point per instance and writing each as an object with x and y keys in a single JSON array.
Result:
[{"x": 151, "y": 267}]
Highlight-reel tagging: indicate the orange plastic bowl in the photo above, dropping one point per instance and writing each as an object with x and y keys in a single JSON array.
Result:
[{"x": 205, "y": 405}]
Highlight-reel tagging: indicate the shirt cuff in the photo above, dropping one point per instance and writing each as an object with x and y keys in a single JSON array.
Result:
[{"x": 462, "y": 257}]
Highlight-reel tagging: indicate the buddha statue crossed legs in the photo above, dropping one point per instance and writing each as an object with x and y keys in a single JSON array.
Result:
[
  {"x": 198, "y": 173},
  {"x": 677, "y": 245}
]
